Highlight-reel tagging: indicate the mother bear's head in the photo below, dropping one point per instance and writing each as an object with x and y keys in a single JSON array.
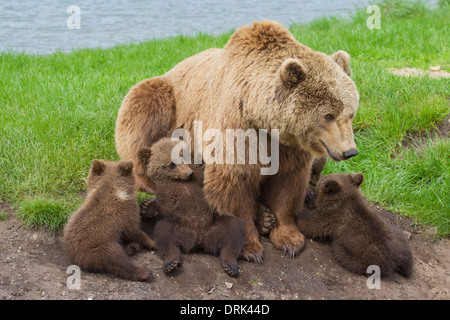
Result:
[{"x": 308, "y": 95}]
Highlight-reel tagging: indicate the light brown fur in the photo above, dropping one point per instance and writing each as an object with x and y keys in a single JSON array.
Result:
[
  {"x": 109, "y": 217},
  {"x": 262, "y": 79}
]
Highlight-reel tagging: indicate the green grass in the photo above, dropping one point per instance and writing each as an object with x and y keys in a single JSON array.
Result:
[
  {"x": 3, "y": 216},
  {"x": 44, "y": 212},
  {"x": 58, "y": 111}
]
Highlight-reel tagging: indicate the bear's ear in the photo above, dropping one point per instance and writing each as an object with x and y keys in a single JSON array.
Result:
[
  {"x": 342, "y": 58},
  {"x": 143, "y": 156},
  {"x": 332, "y": 187},
  {"x": 125, "y": 167},
  {"x": 292, "y": 72},
  {"x": 358, "y": 178},
  {"x": 98, "y": 167}
]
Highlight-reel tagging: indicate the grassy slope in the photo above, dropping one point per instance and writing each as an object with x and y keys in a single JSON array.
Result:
[
  {"x": 393, "y": 109},
  {"x": 58, "y": 111}
]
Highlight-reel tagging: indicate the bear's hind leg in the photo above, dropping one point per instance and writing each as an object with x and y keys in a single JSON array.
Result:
[
  {"x": 403, "y": 255},
  {"x": 140, "y": 237},
  {"x": 167, "y": 245},
  {"x": 112, "y": 259},
  {"x": 226, "y": 237},
  {"x": 232, "y": 191},
  {"x": 347, "y": 260}
]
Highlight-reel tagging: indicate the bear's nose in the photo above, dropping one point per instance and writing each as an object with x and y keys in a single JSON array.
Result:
[{"x": 350, "y": 153}]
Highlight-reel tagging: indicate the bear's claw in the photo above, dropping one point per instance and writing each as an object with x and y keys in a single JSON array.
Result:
[
  {"x": 231, "y": 269},
  {"x": 257, "y": 257},
  {"x": 145, "y": 206},
  {"x": 287, "y": 238},
  {"x": 172, "y": 265}
]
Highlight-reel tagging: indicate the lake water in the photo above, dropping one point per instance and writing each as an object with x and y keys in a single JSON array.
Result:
[{"x": 42, "y": 26}]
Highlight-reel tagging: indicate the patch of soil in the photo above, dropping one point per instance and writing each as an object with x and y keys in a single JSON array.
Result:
[
  {"x": 418, "y": 141},
  {"x": 33, "y": 265},
  {"x": 433, "y": 72}
]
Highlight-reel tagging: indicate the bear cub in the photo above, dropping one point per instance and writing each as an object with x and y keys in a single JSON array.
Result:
[
  {"x": 185, "y": 221},
  {"x": 359, "y": 236},
  {"x": 108, "y": 219}
]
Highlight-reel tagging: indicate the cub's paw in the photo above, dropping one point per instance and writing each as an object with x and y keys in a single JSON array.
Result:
[
  {"x": 172, "y": 265},
  {"x": 310, "y": 198},
  {"x": 147, "y": 208},
  {"x": 266, "y": 219},
  {"x": 287, "y": 238},
  {"x": 132, "y": 249},
  {"x": 231, "y": 268},
  {"x": 143, "y": 274}
]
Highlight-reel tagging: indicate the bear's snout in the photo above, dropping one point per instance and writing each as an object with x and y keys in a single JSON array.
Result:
[{"x": 350, "y": 153}]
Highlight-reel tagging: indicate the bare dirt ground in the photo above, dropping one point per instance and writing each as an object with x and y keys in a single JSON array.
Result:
[
  {"x": 33, "y": 266},
  {"x": 433, "y": 72}
]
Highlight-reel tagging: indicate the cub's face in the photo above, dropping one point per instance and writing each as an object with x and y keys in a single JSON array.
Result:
[
  {"x": 320, "y": 102},
  {"x": 156, "y": 162},
  {"x": 335, "y": 189}
]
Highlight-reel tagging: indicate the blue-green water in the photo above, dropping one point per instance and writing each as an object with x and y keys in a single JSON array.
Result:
[{"x": 41, "y": 26}]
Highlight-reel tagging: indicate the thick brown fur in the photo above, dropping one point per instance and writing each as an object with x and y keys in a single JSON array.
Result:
[
  {"x": 262, "y": 79},
  {"x": 186, "y": 221},
  {"x": 109, "y": 218},
  {"x": 360, "y": 237},
  {"x": 316, "y": 173},
  {"x": 136, "y": 126}
]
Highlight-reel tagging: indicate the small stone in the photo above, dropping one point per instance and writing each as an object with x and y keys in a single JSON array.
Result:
[
  {"x": 436, "y": 68},
  {"x": 407, "y": 234},
  {"x": 229, "y": 285}
]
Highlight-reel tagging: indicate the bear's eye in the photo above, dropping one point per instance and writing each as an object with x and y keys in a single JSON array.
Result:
[
  {"x": 329, "y": 117},
  {"x": 172, "y": 165}
]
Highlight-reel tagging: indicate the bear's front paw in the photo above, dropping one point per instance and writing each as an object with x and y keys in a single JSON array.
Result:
[
  {"x": 287, "y": 238},
  {"x": 147, "y": 209},
  {"x": 310, "y": 198},
  {"x": 253, "y": 251},
  {"x": 132, "y": 249}
]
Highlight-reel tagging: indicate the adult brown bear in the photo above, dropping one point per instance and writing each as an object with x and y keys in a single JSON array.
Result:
[{"x": 262, "y": 79}]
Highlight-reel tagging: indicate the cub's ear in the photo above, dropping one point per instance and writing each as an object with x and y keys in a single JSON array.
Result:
[
  {"x": 358, "y": 178},
  {"x": 143, "y": 156},
  {"x": 98, "y": 167},
  {"x": 332, "y": 187},
  {"x": 126, "y": 167},
  {"x": 292, "y": 72},
  {"x": 342, "y": 58}
]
